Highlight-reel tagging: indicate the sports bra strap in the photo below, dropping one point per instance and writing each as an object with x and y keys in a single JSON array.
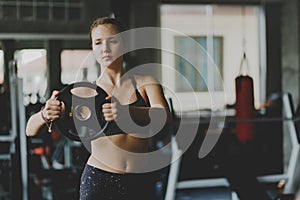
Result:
[{"x": 133, "y": 82}]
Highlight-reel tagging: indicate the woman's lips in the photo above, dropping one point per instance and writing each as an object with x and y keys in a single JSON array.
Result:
[{"x": 107, "y": 57}]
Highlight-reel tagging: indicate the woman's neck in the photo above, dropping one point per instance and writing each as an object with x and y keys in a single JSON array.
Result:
[{"x": 111, "y": 75}]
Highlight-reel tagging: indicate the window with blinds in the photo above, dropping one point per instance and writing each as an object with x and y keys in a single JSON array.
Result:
[{"x": 42, "y": 10}]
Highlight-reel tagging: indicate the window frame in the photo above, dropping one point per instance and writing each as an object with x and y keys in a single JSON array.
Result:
[{"x": 200, "y": 85}]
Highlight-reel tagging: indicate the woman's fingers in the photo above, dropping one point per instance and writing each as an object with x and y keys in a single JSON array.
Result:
[
  {"x": 53, "y": 103},
  {"x": 51, "y": 115},
  {"x": 52, "y": 109},
  {"x": 109, "y": 115},
  {"x": 109, "y": 97},
  {"x": 109, "y": 111},
  {"x": 55, "y": 93}
]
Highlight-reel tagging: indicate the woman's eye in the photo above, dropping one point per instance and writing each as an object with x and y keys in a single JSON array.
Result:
[
  {"x": 113, "y": 41},
  {"x": 97, "y": 43}
]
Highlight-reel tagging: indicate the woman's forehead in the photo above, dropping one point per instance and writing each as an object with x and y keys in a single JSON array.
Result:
[{"x": 104, "y": 31}]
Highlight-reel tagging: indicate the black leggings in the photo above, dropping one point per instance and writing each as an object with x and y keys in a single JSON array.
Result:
[{"x": 97, "y": 184}]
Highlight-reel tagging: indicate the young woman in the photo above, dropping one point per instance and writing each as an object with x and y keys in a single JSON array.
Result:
[{"x": 110, "y": 172}]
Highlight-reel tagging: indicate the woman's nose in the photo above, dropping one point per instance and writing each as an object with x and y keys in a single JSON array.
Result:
[{"x": 106, "y": 46}]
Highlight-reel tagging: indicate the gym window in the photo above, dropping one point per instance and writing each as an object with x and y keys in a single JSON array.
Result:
[
  {"x": 198, "y": 56},
  {"x": 225, "y": 32},
  {"x": 32, "y": 65},
  {"x": 78, "y": 65},
  {"x": 55, "y": 10}
]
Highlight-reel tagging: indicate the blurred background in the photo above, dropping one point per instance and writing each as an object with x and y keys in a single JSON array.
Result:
[{"x": 44, "y": 46}]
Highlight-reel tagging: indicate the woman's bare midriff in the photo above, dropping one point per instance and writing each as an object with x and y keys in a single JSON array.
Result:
[{"x": 121, "y": 153}]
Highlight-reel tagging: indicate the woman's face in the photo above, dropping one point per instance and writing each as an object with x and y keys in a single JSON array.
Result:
[{"x": 107, "y": 44}]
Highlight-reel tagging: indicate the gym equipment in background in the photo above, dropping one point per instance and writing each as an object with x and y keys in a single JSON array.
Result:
[{"x": 244, "y": 105}]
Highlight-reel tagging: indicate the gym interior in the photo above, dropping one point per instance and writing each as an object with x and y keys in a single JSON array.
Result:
[{"x": 44, "y": 46}]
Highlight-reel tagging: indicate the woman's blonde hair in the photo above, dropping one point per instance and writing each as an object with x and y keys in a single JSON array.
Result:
[{"x": 107, "y": 20}]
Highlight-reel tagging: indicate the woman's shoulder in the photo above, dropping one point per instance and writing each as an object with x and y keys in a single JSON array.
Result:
[{"x": 142, "y": 79}]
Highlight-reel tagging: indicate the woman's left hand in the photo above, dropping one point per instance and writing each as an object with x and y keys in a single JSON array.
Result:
[{"x": 110, "y": 110}]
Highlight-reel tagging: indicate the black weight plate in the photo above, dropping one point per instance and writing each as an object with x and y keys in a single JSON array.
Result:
[{"x": 78, "y": 125}]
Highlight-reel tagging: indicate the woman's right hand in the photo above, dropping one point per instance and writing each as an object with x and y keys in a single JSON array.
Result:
[{"x": 53, "y": 108}]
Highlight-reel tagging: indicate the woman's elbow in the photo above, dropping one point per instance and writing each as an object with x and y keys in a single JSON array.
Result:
[{"x": 29, "y": 132}]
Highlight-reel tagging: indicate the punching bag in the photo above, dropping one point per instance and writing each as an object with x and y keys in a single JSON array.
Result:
[{"x": 244, "y": 107}]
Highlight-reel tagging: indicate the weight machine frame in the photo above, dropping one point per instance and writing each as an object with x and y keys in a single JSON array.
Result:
[{"x": 291, "y": 175}]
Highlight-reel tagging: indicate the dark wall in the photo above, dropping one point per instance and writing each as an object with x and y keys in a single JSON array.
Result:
[
  {"x": 273, "y": 31},
  {"x": 76, "y": 23}
]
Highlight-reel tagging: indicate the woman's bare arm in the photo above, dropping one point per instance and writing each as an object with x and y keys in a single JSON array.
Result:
[
  {"x": 50, "y": 112},
  {"x": 157, "y": 112},
  {"x": 158, "y": 109}
]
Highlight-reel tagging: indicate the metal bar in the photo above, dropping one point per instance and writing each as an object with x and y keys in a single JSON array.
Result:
[
  {"x": 67, "y": 154},
  {"x": 13, "y": 100},
  {"x": 262, "y": 53},
  {"x": 292, "y": 173},
  {"x": 7, "y": 138},
  {"x": 5, "y": 157},
  {"x": 23, "y": 141},
  {"x": 13, "y": 109},
  {"x": 203, "y": 183},
  {"x": 174, "y": 171},
  {"x": 39, "y": 36}
]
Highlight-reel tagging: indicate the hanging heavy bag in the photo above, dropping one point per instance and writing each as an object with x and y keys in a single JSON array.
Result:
[{"x": 244, "y": 106}]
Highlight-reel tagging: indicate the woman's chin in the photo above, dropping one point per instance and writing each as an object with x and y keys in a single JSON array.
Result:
[{"x": 106, "y": 64}]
